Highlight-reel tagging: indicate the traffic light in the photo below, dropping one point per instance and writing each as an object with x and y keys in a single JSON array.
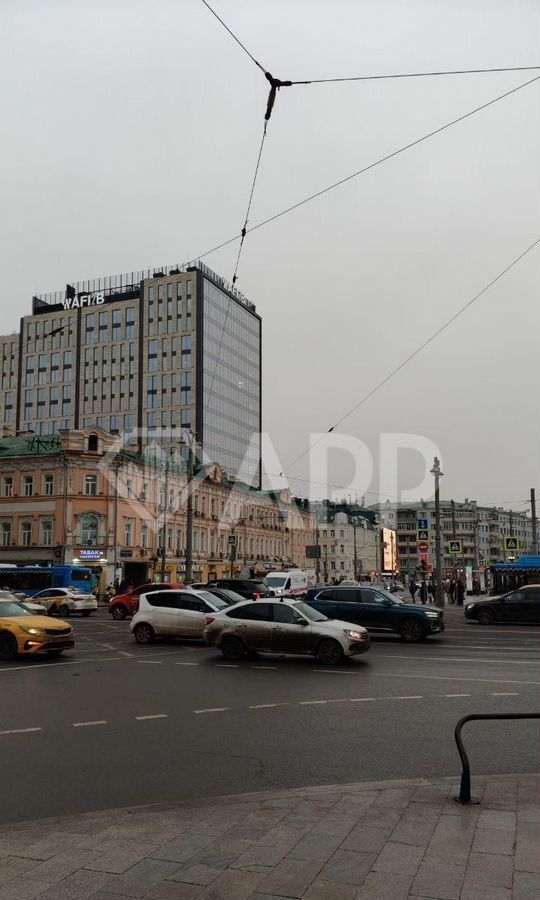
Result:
[{"x": 424, "y": 566}]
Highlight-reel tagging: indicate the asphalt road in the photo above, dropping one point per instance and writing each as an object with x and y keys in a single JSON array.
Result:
[{"x": 114, "y": 724}]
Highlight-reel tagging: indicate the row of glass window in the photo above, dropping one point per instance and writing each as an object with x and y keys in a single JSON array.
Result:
[{"x": 25, "y": 533}]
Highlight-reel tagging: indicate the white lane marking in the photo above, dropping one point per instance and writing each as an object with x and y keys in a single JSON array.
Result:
[
  {"x": 58, "y": 665},
  {"x": 346, "y": 700},
  {"x": 157, "y": 716},
  {"x": 515, "y": 662},
  {"x": 215, "y": 709},
  {"x": 311, "y": 702},
  {"x": 505, "y": 694},
  {"x": 267, "y": 705},
  {"x": 20, "y": 730},
  {"x": 336, "y": 672},
  {"x": 457, "y": 695},
  {"x": 456, "y": 678},
  {"x": 361, "y": 699},
  {"x": 186, "y": 664},
  {"x": 411, "y": 697},
  {"x": 219, "y": 665},
  {"x": 117, "y": 649},
  {"x": 264, "y": 667},
  {"x": 87, "y": 724},
  {"x": 150, "y": 662}
]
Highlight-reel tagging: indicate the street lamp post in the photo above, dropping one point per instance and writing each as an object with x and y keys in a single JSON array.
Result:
[
  {"x": 165, "y": 505},
  {"x": 436, "y": 472},
  {"x": 355, "y": 548}
]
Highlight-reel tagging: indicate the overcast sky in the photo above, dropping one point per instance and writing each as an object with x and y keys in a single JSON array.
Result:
[{"x": 130, "y": 134}]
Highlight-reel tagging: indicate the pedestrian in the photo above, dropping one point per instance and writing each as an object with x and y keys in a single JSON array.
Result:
[
  {"x": 452, "y": 591},
  {"x": 413, "y": 587},
  {"x": 423, "y": 592},
  {"x": 431, "y": 588},
  {"x": 460, "y": 592}
]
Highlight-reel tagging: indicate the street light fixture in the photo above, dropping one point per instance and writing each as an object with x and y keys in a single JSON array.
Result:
[{"x": 437, "y": 474}]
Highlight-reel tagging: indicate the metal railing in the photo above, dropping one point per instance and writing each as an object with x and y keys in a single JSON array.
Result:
[{"x": 465, "y": 786}]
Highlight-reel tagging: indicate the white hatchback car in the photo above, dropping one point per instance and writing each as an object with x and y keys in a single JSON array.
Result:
[
  {"x": 174, "y": 613},
  {"x": 66, "y": 601}
]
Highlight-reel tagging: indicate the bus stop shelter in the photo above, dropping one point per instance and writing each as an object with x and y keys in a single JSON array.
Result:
[{"x": 510, "y": 575}]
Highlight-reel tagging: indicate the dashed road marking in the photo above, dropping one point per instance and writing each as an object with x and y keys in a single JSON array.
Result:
[
  {"x": 264, "y": 667},
  {"x": 311, "y": 702},
  {"x": 184, "y": 664},
  {"x": 215, "y": 709},
  {"x": 515, "y": 662},
  {"x": 410, "y": 697},
  {"x": 336, "y": 672},
  {"x": 121, "y": 652},
  {"x": 156, "y": 716},
  {"x": 150, "y": 662},
  {"x": 219, "y": 665},
  {"x": 88, "y": 724},
  {"x": 360, "y": 699},
  {"x": 457, "y": 695},
  {"x": 20, "y": 730},
  {"x": 267, "y": 705},
  {"x": 457, "y": 678},
  {"x": 505, "y": 694}
]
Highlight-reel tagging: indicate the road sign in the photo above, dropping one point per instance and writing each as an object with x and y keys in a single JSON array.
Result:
[
  {"x": 313, "y": 551},
  {"x": 455, "y": 546},
  {"x": 232, "y": 539},
  {"x": 423, "y": 547},
  {"x": 511, "y": 543},
  {"x": 422, "y": 523},
  {"x": 423, "y": 534}
]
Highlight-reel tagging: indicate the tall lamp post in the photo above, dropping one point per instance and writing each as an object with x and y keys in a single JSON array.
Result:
[
  {"x": 165, "y": 507},
  {"x": 437, "y": 474}
]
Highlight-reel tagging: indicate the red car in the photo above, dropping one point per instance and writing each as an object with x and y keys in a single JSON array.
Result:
[{"x": 127, "y": 604}]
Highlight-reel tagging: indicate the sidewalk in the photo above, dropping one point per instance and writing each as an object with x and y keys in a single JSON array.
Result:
[{"x": 394, "y": 840}]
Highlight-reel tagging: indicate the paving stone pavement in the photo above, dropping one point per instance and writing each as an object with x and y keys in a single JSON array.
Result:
[{"x": 393, "y": 840}]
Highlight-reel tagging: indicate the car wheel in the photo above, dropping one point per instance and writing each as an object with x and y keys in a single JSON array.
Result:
[
  {"x": 86, "y": 612},
  {"x": 119, "y": 612},
  {"x": 232, "y": 647},
  {"x": 63, "y": 611},
  {"x": 486, "y": 616},
  {"x": 8, "y": 647},
  {"x": 329, "y": 652},
  {"x": 144, "y": 633},
  {"x": 51, "y": 609},
  {"x": 412, "y": 631}
]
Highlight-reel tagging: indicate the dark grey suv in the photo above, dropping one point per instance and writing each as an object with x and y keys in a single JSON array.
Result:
[{"x": 377, "y": 611}]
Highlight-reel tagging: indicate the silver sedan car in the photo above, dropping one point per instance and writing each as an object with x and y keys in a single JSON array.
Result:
[{"x": 283, "y": 626}]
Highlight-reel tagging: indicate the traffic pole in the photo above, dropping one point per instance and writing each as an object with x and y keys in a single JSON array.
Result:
[{"x": 439, "y": 596}]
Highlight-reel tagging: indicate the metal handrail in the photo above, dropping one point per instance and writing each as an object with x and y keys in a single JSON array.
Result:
[{"x": 465, "y": 787}]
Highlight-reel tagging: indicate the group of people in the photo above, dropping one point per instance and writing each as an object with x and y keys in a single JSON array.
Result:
[{"x": 454, "y": 590}]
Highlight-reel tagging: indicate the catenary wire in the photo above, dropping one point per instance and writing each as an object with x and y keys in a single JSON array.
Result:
[
  {"x": 419, "y": 349},
  {"x": 234, "y": 37},
  {"x": 418, "y": 74},
  {"x": 362, "y": 171}
]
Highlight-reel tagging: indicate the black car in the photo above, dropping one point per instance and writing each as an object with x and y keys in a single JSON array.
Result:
[
  {"x": 377, "y": 611},
  {"x": 248, "y": 588},
  {"x": 521, "y": 605}
]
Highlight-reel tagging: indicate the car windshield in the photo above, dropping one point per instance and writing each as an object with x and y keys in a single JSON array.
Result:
[
  {"x": 310, "y": 613},
  {"x": 218, "y": 602},
  {"x": 8, "y": 609},
  {"x": 232, "y": 595},
  {"x": 275, "y": 581}
]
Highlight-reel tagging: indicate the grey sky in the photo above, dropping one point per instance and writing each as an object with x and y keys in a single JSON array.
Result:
[{"x": 130, "y": 135}]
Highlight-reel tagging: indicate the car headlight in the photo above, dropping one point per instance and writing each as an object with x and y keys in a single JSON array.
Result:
[
  {"x": 470, "y": 605},
  {"x": 30, "y": 630},
  {"x": 432, "y": 614},
  {"x": 355, "y": 635}
]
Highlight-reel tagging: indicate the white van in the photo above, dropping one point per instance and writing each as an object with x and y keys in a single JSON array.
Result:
[{"x": 293, "y": 583}]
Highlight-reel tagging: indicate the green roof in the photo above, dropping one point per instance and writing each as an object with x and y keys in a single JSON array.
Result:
[{"x": 30, "y": 446}]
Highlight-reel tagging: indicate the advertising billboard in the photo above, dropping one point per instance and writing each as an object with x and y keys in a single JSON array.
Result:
[{"x": 389, "y": 550}]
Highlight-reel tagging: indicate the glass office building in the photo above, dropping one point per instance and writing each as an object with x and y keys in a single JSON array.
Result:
[{"x": 145, "y": 354}]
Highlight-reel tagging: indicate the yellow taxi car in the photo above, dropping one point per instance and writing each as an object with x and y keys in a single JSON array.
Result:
[{"x": 25, "y": 634}]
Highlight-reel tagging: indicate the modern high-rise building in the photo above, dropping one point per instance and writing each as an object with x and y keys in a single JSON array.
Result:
[{"x": 146, "y": 354}]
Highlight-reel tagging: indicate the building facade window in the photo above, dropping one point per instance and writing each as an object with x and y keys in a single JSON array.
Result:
[
  {"x": 28, "y": 485},
  {"x": 48, "y": 485},
  {"x": 89, "y": 529},
  {"x": 7, "y": 486},
  {"x": 26, "y": 534},
  {"x": 128, "y": 532},
  {"x": 144, "y": 535},
  {"x": 46, "y": 532},
  {"x": 5, "y": 533},
  {"x": 90, "y": 485}
]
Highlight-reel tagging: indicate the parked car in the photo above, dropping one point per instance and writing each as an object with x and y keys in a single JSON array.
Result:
[
  {"x": 35, "y": 609},
  {"x": 521, "y": 605},
  {"x": 173, "y": 613},
  {"x": 65, "y": 601},
  {"x": 123, "y": 605},
  {"x": 283, "y": 626},
  {"x": 25, "y": 634},
  {"x": 248, "y": 588},
  {"x": 377, "y": 610}
]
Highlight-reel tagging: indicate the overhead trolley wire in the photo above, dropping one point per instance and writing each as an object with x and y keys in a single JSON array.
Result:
[
  {"x": 418, "y": 350},
  {"x": 416, "y": 74},
  {"x": 365, "y": 169},
  {"x": 234, "y": 37}
]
